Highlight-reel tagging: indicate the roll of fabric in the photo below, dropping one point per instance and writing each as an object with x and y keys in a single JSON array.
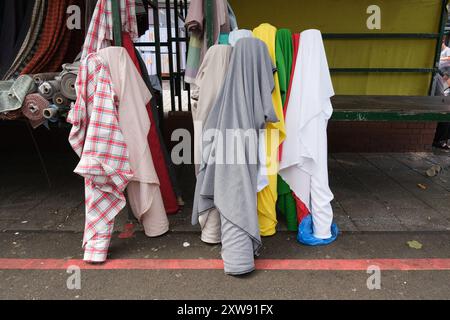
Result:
[
  {"x": 60, "y": 100},
  {"x": 40, "y": 78},
  {"x": 51, "y": 113},
  {"x": 49, "y": 88},
  {"x": 33, "y": 109},
  {"x": 68, "y": 85},
  {"x": 13, "y": 93},
  {"x": 11, "y": 115}
]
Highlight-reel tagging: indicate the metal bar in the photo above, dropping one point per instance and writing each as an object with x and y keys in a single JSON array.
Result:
[
  {"x": 389, "y": 116},
  {"x": 442, "y": 24},
  {"x": 382, "y": 70},
  {"x": 117, "y": 23},
  {"x": 187, "y": 85},
  {"x": 178, "y": 60},
  {"x": 158, "y": 58},
  {"x": 380, "y": 36},
  {"x": 169, "y": 40},
  {"x": 162, "y": 44}
]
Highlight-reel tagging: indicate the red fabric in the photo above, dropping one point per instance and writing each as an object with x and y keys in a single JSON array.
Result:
[
  {"x": 167, "y": 191},
  {"x": 296, "y": 43},
  {"x": 302, "y": 210}
]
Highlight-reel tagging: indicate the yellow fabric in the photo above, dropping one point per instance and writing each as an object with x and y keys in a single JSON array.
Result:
[
  {"x": 275, "y": 135},
  {"x": 350, "y": 16}
]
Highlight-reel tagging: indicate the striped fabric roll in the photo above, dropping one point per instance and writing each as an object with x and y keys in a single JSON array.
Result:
[
  {"x": 49, "y": 88},
  {"x": 68, "y": 85},
  {"x": 33, "y": 109},
  {"x": 40, "y": 78}
]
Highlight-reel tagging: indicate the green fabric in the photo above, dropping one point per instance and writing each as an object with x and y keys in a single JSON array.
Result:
[
  {"x": 209, "y": 17},
  {"x": 224, "y": 38},
  {"x": 349, "y": 16},
  {"x": 284, "y": 52},
  {"x": 193, "y": 59}
]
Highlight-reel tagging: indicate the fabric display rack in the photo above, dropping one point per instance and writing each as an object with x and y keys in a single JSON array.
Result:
[{"x": 265, "y": 81}]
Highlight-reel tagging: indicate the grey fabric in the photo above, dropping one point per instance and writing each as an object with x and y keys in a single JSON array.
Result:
[
  {"x": 245, "y": 103},
  {"x": 13, "y": 93}
]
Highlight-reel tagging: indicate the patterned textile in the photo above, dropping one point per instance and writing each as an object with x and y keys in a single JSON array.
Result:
[
  {"x": 54, "y": 22},
  {"x": 100, "y": 32},
  {"x": 104, "y": 163}
]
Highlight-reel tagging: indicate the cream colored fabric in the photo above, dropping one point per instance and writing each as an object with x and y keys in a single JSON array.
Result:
[
  {"x": 143, "y": 191},
  {"x": 207, "y": 85}
]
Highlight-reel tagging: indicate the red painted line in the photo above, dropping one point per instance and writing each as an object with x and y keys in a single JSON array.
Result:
[{"x": 201, "y": 264}]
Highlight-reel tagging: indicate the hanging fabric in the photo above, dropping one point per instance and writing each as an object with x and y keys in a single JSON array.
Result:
[
  {"x": 31, "y": 38},
  {"x": 154, "y": 85},
  {"x": 244, "y": 103},
  {"x": 143, "y": 191},
  {"x": 286, "y": 204},
  {"x": 275, "y": 135},
  {"x": 15, "y": 21},
  {"x": 304, "y": 161},
  {"x": 107, "y": 171},
  {"x": 206, "y": 89},
  {"x": 169, "y": 196},
  {"x": 100, "y": 34},
  {"x": 205, "y": 21}
]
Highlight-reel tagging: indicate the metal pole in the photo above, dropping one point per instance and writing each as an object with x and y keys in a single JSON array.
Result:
[
  {"x": 442, "y": 23},
  {"x": 169, "y": 40}
]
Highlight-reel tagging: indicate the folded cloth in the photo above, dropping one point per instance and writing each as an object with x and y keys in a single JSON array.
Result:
[
  {"x": 33, "y": 109},
  {"x": 13, "y": 93},
  {"x": 68, "y": 81},
  {"x": 49, "y": 88},
  {"x": 40, "y": 78}
]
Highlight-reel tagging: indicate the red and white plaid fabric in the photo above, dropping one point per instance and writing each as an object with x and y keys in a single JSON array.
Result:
[
  {"x": 100, "y": 33},
  {"x": 104, "y": 163}
]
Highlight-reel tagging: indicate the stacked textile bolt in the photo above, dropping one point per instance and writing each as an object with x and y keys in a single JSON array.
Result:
[{"x": 56, "y": 93}]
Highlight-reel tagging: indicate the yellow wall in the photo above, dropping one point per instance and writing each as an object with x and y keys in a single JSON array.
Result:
[{"x": 349, "y": 16}]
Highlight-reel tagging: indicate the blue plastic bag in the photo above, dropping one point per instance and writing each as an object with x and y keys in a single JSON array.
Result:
[{"x": 306, "y": 233}]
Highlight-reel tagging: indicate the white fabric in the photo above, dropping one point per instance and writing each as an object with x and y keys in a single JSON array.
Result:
[
  {"x": 304, "y": 164},
  {"x": 239, "y": 34},
  {"x": 445, "y": 53}
]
